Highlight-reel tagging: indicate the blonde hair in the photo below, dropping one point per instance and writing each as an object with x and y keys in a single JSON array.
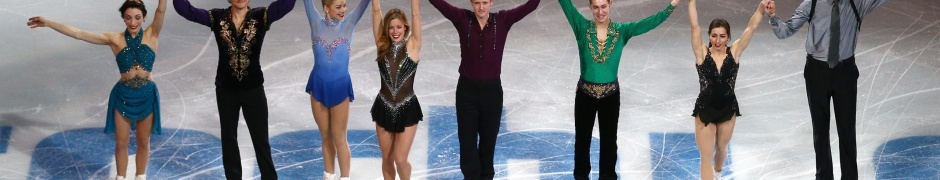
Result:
[{"x": 327, "y": 2}]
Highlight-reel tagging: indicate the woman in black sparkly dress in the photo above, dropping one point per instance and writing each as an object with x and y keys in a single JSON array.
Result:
[
  {"x": 717, "y": 106},
  {"x": 396, "y": 110}
]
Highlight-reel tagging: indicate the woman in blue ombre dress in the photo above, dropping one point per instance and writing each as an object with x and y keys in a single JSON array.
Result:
[
  {"x": 329, "y": 85},
  {"x": 134, "y": 102}
]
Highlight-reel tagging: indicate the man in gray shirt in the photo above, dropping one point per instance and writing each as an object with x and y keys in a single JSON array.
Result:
[{"x": 830, "y": 72}]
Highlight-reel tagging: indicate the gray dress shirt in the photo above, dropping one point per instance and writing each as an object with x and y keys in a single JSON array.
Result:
[{"x": 817, "y": 40}]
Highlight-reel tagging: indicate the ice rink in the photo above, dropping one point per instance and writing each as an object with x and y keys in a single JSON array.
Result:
[{"x": 54, "y": 92}]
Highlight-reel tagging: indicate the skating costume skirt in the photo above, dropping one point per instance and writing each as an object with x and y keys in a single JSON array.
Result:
[
  {"x": 395, "y": 119},
  {"x": 134, "y": 101},
  {"x": 330, "y": 92},
  {"x": 396, "y": 105},
  {"x": 715, "y": 108}
]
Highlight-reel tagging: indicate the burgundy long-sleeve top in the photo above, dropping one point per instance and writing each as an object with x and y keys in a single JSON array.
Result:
[{"x": 481, "y": 50}]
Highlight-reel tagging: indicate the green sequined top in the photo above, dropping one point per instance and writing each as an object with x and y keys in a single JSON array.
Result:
[{"x": 600, "y": 64}]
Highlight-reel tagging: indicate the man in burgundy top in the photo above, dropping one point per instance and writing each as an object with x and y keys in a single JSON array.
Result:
[
  {"x": 479, "y": 92},
  {"x": 239, "y": 31}
]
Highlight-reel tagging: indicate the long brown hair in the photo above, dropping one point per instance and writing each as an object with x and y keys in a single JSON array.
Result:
[{"x": 385, "y": 41}]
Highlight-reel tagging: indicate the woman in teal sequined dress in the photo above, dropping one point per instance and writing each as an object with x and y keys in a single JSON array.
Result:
[{"x": 134, "y": 101}]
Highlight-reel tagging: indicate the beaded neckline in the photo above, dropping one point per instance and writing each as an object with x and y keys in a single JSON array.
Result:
[
  {"x": 396, "y": 48},
  {"x": 331, "y": 21}
]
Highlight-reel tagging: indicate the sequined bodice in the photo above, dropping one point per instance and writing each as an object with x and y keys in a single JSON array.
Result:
[
  {"x": 324, "y": 49},
  {"x": 397, "y": 70},
  {"x": 331, "y": 48},
  {"x": 332, "y": 39},
  {"x": 135, "y": 54},
  {"x": 717, "y": 86}
]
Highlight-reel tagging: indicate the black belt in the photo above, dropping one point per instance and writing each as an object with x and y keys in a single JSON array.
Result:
[{"x": 598, "y": 90}]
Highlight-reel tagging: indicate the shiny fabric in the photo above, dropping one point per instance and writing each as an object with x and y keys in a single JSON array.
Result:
[
  {"x": 396, "y": 105},
  {"x": 135, "y": 53},
  {"x": 598, "y": 90},
  {"x": 239, "y": 50},
  {"x": 137, "y": 98},
  {"x": 329, "y": 81},
  {"x": 599, "y": 61}
]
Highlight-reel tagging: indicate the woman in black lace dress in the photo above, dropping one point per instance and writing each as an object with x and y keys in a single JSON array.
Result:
[{"x": 717, "y": 106}]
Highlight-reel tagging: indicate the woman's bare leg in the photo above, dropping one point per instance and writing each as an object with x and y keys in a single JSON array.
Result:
[
  {"x": 122, "y": 133},
  {"x": 705, "y": 139},
  {"x": 339, "y": 117},
  {"x": 385, "y": 144},
  {"x": 401, "y": 148},
  {"x": 321, "y": 114},
  {"x": 144, "y": 129},
  {"x": 725, "y": 130}
]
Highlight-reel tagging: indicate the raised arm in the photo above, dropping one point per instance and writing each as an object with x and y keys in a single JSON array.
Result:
[
  {"x": 575, "y": 19},
  {"x": 698, "y": 46},
  {"x": 157, "y": 24},
  {"x": 739, "y": 45},
  {"x": 191, "y": 13},
  {"x": 415, "y": 27},
  {"x": 650, "y": 23},
  {"x": 449, "y": 11},
  {"x": 356, "y": 15},
  {"x": 867, "y": 6},
  {"x": 94, "y": 38},
  {"x": 278, "y": 9},
  {"x": 516, "y": 14},
  {"x": 786, "y": 29},
  {"x": 313, "y": 16},
  {"x": 377, "y": 21}
]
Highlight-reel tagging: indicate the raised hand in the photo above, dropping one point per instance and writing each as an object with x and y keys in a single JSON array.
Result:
[
  {"x": 157, "y": 26},
  {"x": 739, "y": 45},
  {"x": 763, "y": 7},
  {"x": 770, "y": 8},
  {"x": 36, "y": 22}
]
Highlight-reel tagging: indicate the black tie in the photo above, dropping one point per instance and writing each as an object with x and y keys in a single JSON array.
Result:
[{"x": 834, "y": 36}]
